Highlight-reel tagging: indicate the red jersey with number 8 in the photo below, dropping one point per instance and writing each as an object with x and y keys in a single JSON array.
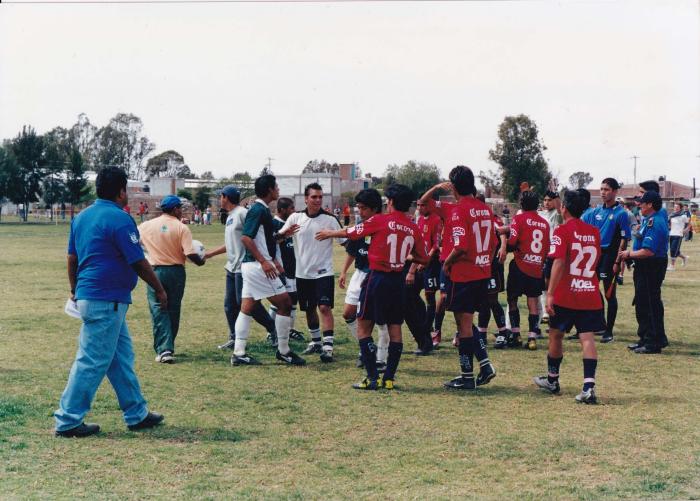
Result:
[
  {"x": 393, "y": 237},
  {"x": 472, "y": 232},
  {"x": 578, "y": 244},
  {"x": 529, "y": 235}
]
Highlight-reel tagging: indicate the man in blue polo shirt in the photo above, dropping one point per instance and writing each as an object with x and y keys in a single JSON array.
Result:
[
  {"x": 613, "y": 223},
  {"x": 649, "y": 252},
  {"x": 105, "y": 260}
]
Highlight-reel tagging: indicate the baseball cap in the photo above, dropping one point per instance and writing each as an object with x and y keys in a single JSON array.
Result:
[
  {"x": 230, "y": 192},
  {"x": 649, "y": 197},
  {"x": 170, "y": 202}
]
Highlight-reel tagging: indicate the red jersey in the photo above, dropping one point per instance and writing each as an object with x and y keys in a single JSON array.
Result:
[
  {"x": 393, "y": 237},
  {"x": 430, "y": 227},
  {"x": 444, "y": 211},
  {"x": 578, "y": 244},
  {"x": 472, "y": 231},
  {"x": 529, "y": 234}
]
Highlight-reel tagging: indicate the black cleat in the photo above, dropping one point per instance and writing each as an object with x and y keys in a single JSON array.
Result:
[
  {"x": 647, "y": 350},
  {"x": 514, "y": 340},
  {"x": 290, "y": 358},
  {"x": 296, "y": 335},
  {"x": 607, "y": 337},
  {"x": 366, "y": 384},
  {"x": 312, "y": 348},
  {"x": 80, "y": 431},
  {"x": 634, "y": 346},
  {"x": 228, "y": 345},
  {"x": 461, "y": 383},
  {"x": 501, "y": 342},
  {"x": 326, "y": 356},
  {"x": 152, "y": 419},
  {"x": 487, "y": 373},
  {"x": 243, "y": 360}
]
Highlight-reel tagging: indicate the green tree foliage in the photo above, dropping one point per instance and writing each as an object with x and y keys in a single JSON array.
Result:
[
  {"x": 167, "y": 164},
  {"x": 83, "y": 134},
  {"x": 185, "y": 194},
  {"x": 122, "y": 143},
  {"x": 419, "y": 176},
  {"x": 207, "y": 175},
  {"x": 77, "y": 189},
  {"x": 9, "y": 173},
  {"x": 519, "y": 154},
  {"x": 28, "y": 149},
  {"x": 580, "y": 179},
  {"x": 201, "y": 199},
  {"x": 316, "y": 167}
]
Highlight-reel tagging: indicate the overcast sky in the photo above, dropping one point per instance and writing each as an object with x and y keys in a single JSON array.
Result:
[{"x": 230, "y": 84}]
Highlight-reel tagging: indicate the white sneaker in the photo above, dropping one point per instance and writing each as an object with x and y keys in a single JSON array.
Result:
[
  {"x": 671, "y": 268},
  {"x": 165, "y": 358}
]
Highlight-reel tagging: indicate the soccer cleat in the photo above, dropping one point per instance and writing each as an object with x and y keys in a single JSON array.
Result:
[
  {"x": 671, "y": 268},
  {"x": 424, "y": 352},
  {"x": 80, "y": 431},
  {"x": 587, "y": 397},
  {"x": 381, "y": 366},
  {"x": 461, "y": 383},
  {"x": 326, "y": 356},
  {"x": 532, "y": 344},
  {"x": 607, "y": 337},
  {"x": 312, "y": 348},
  {"x": 272, "y": 339},
  {"x": 296, "y": 335},
  {"x": 243, "y": 360},
  {"x": 387, "y": 384},
  {"x": 166, "y": 357},
  {"x": 634, "y": 346},
  {"x": 544, "y": 383},
  {"x": 228, "y": 345},
  {"x": 487, "y": 373},
  {"x": 366, "y": 384},
  {"x": 501, "y": 342},
  {"x": 152, "y": 419},
  {"x": 647, "y": 350},
  {"x": 544, "y": 319},
  {"x": 436, "y": 336},
  {"x": 514, "y": 340},
  {"x": 290, "y": 358}
]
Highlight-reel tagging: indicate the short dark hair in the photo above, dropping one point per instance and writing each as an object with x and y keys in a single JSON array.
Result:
[
  {"x": 575, "y": 202},
  {"x": 551, "y": 194},
  {"x": 312, "y": 186},
  {"x": 612, "y": 182},
  {"x": 462, "y": 178},
  {"x": 284, "y": 203},
  {"x": 264, "y": 184},
  {"x": 650, "y": 185},
  {"x": 585, "y": 195},
  {"x": 529, "y": 200},
  {"x": 401, "y": 195},
  {"x": 110, "y": 181},
  {"x": 370, "y": 198}
]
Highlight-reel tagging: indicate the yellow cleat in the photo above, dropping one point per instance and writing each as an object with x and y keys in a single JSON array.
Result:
[
  {"x": 387, "y": 384},
  {"x": 532, "y": 344}
]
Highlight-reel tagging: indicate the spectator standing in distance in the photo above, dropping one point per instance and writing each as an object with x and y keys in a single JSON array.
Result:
[
  {"x": 346, "y": 216},
  {"x": 679, "y": 225},
  {"x": 168, "y": 244},
  {"x": 104, "y": 263}
]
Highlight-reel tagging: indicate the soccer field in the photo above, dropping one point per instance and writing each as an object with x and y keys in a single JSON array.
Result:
[{"x": 278, "y": 432}]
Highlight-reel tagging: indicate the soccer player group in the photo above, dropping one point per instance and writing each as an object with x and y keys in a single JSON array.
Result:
[{"x": 457, "y": 247}]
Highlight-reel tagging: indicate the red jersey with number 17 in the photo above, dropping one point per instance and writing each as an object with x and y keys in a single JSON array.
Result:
[
  {"x": 529, "y": 234},
  {"x": 472, "y": 232},
  {"x": 393, "y": 237},
  {"x": 578, "y": 244}
]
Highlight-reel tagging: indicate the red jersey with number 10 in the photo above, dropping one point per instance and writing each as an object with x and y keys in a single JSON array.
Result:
[
  {"x": 393, "y": 237},
  {"x": 578, "y": 244},
  {"x": 472, "y": 232},
  {"x": 529, "y": 234}
]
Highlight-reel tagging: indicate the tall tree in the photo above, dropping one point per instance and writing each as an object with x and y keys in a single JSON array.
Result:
[
  {"x": 265, "y": 171},
  {"x": 83, "y": 134},
  {"x": 419, "y": 176},
  {"x": 201, "y": 198},
  {"x": 122, "y": 143},
  {"x": 207, "y": 175},
  {"x": 58, "y": 144},
  {"x": 9, "y": 174},
  {"x": 28, "y": 149},
  {"x": 316, "y": 167},
  {"x": 166, "y": 164},
  {"x": 77, "y": 189},
  {"x": 519, "y": 154},
  {"x": 580, "y": 179}
]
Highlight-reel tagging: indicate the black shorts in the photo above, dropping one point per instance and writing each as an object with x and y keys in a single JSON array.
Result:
[
  {"x": 497, "y": 281},
  {"x": 584, "y": 320},
  {"x": 548, "y": 262},
  {"x": 381, "y": 298},
  {"x": 431, "y": 276},
  {"x": 313, "y": 292},
  {"x": 521, "y": 284},
  {"x": 466, "y": 297},
  {"x": 607, "y": 260},
  {"x": 675, "y": 245}
]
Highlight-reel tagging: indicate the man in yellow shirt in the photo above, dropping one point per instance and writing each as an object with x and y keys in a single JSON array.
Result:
[{"x": 168, "y": 243}]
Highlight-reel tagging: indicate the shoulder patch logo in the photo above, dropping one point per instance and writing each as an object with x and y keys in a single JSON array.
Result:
[
  {"x": 650, "y": 223},
  {"x": 134, "y": 238},
  {"x": 556, "y": 240}
]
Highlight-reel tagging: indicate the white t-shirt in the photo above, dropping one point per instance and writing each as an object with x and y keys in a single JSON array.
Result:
[
  {"x": 552, "y": 217},
  {"x": 232, "y": 237},
  {"x": 677, "y": 225},
  {"x": 314, "y": 258}
]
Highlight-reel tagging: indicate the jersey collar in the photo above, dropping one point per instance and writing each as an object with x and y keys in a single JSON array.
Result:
[{"x": 259, "y": 200}]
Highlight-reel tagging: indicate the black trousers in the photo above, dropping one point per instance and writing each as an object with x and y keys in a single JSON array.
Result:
[
  {"x": 648, "y": 276},
  {"x": 415, "y": 313}
]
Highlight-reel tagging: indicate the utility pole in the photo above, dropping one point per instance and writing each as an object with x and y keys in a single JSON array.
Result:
[
  {"x": 635, "y": 157},
  {"x": 269, "y": 163}
]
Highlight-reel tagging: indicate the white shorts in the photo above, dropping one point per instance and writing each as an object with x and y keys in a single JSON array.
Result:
[
  {"x": 291, "y": 284},
  {"x": 257, "y": 285},
  {"x": 352, "y": 296}
]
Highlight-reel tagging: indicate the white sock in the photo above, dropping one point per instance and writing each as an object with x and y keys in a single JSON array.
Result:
[
  {"x": 315, "y": 335},
  {"x": 282, "y": 328},
  {"x": 382, "y": 343},
  {"x": 272, "y": 312},
  {"x": 242, "y": 331},
  {"x": 352, "y": 325}
]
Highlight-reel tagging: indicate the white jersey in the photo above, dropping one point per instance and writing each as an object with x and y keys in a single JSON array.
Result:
[
  {"x": 314, "y": 258},
  {"x": 678, "y": 222},
  {"x": 552, "y": 217},
  {"x": 232, "y": 237}
]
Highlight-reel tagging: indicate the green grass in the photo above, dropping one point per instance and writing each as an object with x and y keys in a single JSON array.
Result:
[{"x": 277, "y": 432}]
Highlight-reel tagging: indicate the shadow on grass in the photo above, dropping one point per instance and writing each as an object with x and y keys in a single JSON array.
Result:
[{"x": 178, "y": 434}]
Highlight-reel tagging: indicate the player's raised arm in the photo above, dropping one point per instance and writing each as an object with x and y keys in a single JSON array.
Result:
[{"x": 326, "y": 234}]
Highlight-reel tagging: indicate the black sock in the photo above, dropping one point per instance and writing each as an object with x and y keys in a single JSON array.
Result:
[
  {"x": 430, "y": 312},
  {"x": 480, "y": 352},
  {"x": 328, "y": 339},
  {"x": 553, "y": 365},
  {"x": 589, "y": 366},
  {"x": 466, "y": 357},
  {"x": 484, "y": 316},
  {"x": 514, "y": 316},
  {"x": 439, "y": 317},
  {"x": 533, "y": 323},
  {"x": 498, "y": 314},
  {"x": 369, "y": 357},
  {"x": 612, "y": 314},
  {"x": 392, "y": 361}
]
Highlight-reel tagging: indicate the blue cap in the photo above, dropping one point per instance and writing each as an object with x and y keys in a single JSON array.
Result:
[
  {"x": 649, "y": 197},
  {"x": 170, "y": 202},
  {"x": 231, "y": 192}
]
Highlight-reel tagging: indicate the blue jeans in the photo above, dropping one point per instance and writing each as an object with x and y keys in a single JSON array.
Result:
[{"x": 104, "y": 348}]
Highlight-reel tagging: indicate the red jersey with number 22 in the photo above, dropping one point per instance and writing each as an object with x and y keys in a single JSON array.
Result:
[
  {"x": 393, "y": 237},
  {"x": 578, "y": 244},
  {"x": 472, "y": 231},
  {"x": 529, "y": 234}
]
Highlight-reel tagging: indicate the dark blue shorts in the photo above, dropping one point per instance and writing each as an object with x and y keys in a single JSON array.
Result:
[
  {"x": 548, "y": 262},
  {"x": 381, "y": 298},
  {"x": 584, "y": 320},
  {"x": 675, "y": 245},
  {"x": 444, "y": 279},
  {"x": 520, "y": 284},
  {"x": 497, "y": 281},
  {"x": 466, "y": 297},
  {"x": 608, "y": 256},
  {"x": 431, "y": 276}
]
